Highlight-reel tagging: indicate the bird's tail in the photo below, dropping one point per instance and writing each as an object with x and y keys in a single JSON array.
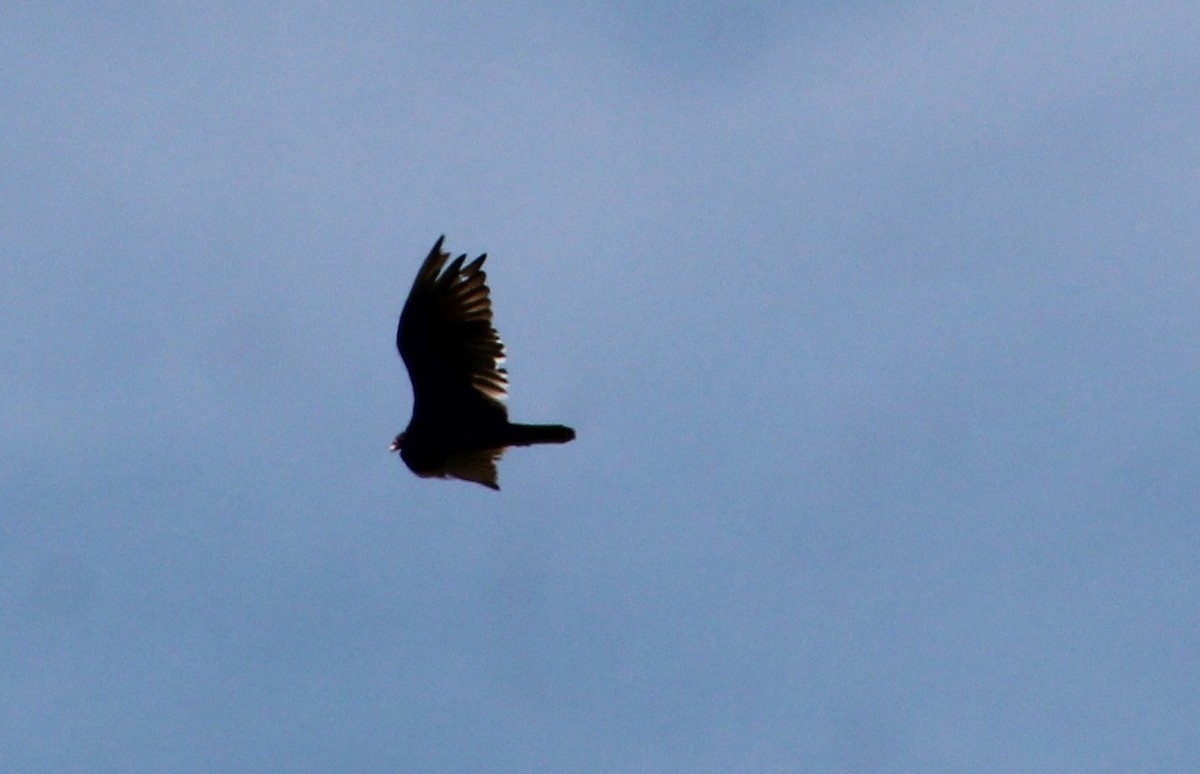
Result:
[{"x": 527, "y": 435}]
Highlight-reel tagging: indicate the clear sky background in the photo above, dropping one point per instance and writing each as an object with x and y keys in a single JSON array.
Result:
[{"x": 879, "y": 324}]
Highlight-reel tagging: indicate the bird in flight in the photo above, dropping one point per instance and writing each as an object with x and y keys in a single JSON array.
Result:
[{"x": 459, "y": 426}]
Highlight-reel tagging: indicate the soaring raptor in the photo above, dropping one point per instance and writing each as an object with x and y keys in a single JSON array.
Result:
[{"x": 459, "y": 426}]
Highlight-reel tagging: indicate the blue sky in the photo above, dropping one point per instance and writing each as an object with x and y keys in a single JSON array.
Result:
[{"x": 880, "y": 329}]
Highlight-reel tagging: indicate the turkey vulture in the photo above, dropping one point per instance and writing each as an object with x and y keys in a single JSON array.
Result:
[{"x": 459, "y": 426}]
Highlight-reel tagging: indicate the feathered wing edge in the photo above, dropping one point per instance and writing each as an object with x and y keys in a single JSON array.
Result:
[
  {"x": 478, "y": 466},
  {"x": 480, "y": 350},
  {"x": 461, "y": 300}
]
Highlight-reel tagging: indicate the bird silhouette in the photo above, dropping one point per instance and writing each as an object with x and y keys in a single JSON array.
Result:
[{"x": 459, "y": 426}]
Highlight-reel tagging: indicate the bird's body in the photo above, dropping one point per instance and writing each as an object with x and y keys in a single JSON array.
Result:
[{"x": 459, "y": 426}]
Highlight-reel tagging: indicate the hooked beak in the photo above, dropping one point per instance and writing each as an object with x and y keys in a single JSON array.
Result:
[{"x": 397, "y": 442}]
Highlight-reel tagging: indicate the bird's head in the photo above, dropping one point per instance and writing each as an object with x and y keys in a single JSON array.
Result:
[{"x": 398, "y": 443}]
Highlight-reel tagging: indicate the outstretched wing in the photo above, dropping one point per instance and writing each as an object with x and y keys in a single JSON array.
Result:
[{"x": 452, "y": 352}]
